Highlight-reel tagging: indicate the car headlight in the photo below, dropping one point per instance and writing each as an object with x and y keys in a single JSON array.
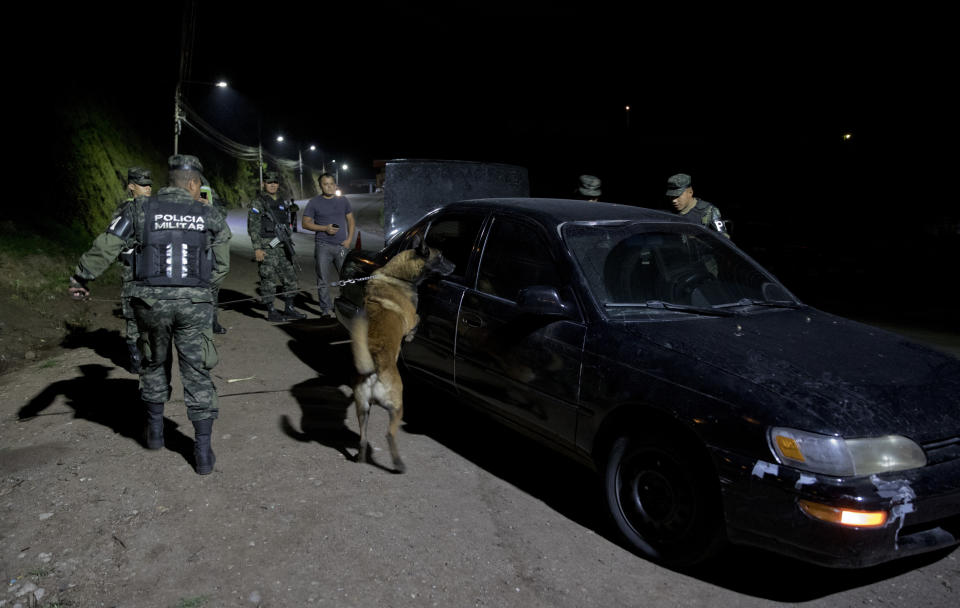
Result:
[{"x": 844, "y": 457}]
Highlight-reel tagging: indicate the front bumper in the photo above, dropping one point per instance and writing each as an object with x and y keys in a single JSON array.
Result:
[{"x": 761, "y": 509}]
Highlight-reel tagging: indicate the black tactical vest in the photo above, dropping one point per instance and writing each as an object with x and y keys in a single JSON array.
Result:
[
  {"x": 175, "y": 248},
  {"x": 268, "y": 227}
]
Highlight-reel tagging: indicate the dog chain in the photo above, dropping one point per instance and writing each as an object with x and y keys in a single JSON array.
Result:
[
  {"x": 349, "y": 281},
  {"x": 255, "y": 298}
]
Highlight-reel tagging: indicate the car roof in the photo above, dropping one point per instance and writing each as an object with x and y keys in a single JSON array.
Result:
[{"x": 552, "y": 211}]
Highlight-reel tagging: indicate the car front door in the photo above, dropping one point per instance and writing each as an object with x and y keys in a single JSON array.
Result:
[
  {"x": 431, "y": 351},
  {"x": 523, "y": 364}
]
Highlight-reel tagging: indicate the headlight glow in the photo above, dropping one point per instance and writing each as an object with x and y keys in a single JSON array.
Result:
[
  {"x": 844, "y": 457},
  {"x": 844, "y": 517}
]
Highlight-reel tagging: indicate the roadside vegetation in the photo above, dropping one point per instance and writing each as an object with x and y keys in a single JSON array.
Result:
[
  {"x": 35, "y": 312},
  {"x": 95, "y": 143}
]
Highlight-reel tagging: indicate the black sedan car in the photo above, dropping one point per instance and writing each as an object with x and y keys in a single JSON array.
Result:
[{"x": 714, "y": 404}]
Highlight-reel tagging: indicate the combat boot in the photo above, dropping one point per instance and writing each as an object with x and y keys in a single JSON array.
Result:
[
  {"x": 274, "y": 314},
  {"x": 217, "y": 328},
  {"x": 290, "y": 312},
  {"x": 203, "y": 456},
  {"x": 153, "y": 434},
  {"x": 134, "y": 365}
]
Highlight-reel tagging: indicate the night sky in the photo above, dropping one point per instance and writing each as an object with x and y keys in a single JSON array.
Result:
[
  {"x": 532, "y": 82},
  {"x": 543, "y": 84},
  {"x": 752, "y": 102}
]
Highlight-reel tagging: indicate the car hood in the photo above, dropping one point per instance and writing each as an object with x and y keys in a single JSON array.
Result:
[{"x": 827, "y": 374}]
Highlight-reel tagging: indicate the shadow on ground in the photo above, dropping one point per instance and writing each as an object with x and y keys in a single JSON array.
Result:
[
  {"x": 242, "y": 303},
  {"x": 111, "y": 402},
  {"x": 774, "y": 577},
  {"x": 250, "y": 306},
  {"x": 324, "y": 406},
  {"x": 571, "y": 489},
  {"x": 575, "y": 492},
  {"x": 107, "y": 343}
]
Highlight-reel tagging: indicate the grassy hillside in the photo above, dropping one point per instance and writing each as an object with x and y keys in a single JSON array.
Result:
[{"x": 81, "y": 178}]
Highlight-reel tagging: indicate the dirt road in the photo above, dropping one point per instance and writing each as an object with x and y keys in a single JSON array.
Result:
[{"x": 88, "y": 517}]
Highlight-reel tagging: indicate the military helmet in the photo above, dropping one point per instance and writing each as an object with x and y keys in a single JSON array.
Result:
[
  {"x": 678, "y": 183},
  {"x": 184, "y": 162},
  {"x": 139, "y": 176}
]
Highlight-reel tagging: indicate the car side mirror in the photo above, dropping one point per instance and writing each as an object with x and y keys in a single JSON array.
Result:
[{"x": 542, "y": 300}]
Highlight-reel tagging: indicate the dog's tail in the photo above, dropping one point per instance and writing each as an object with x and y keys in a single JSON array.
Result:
[{"x": 359, "y": 331}]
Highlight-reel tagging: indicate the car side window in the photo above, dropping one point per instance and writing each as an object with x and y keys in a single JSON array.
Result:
[
  {"x": 408, "y": 240},
  {"x": 455, "y": 238},
  {"x": 515, "y": 257}
]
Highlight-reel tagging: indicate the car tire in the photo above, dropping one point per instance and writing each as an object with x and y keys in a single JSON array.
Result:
[{"x": 664, "y": 499}]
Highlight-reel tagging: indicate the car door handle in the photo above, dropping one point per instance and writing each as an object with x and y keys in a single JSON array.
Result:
[{"x": 472, "y": 321}]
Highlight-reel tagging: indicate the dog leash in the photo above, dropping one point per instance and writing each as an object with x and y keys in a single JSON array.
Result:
[
  {"x": 351, "y": 281},
  {"x": 254, "y": 298}
]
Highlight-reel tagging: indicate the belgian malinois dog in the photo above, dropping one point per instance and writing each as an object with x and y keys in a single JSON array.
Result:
[{"x": 389, "y": 316}]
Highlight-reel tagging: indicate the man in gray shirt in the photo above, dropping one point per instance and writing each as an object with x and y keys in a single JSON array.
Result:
[{"x": 331, "y": 218}]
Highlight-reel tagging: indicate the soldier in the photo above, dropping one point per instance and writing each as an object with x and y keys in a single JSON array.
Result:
[
  {"x": 267, "y": 226},
  {"x": 181, "y": 247},
  {"x": 139, "y": 183},
  {"x": 589, "y": 188},
  {"x": 694, "y": 209},
  {"x": 209, "y": 196}
]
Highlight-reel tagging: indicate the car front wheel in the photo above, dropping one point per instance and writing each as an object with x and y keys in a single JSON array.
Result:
[{"x": 664, "y": 499}]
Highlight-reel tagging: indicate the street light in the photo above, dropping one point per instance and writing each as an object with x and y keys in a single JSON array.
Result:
[
  {"x": 312, "y": 147},
  {"x": 178, "y": 109},
  {"x": 336, "y": 177},
  {"x": 337, "y": 168}
]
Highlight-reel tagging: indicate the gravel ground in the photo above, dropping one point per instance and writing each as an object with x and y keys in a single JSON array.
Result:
[{"x": 88, "y": 517}]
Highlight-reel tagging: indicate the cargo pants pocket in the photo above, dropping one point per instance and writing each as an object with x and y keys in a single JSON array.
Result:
[{"x": 210, "y": 355}]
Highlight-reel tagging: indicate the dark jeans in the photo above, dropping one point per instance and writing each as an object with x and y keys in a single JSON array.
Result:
[{"x": 329, "y": 258}]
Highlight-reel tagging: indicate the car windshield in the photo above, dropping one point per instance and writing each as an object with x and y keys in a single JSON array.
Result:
[{"x": 674, "y": 267}]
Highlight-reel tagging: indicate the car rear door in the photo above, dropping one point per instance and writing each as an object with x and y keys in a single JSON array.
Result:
[{"x": 525, "y": 366}]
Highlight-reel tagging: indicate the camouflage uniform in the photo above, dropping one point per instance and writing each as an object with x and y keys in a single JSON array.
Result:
[
  {"x": 707, "y": 215},
  {"x": 276, "y": 267},
  {"x": 217, "y": 204},
  {"x": 126, "y": 276},
  {"x": 141, "y": 177},
  {"x": 702, "y": 212},
  {"x": 165, "y": 315}
]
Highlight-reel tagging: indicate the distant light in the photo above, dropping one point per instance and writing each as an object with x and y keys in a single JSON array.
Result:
[
  {"x": 338, "y": 192},
  {"x": 312, "y": 148},
  {"x": 222, "y": 84},
  {"x": 344, "y": 166},
  {"x": 628, "y": 108},
  {"x": 279, "y": 137},
  {"x": 847, "y": 136}
]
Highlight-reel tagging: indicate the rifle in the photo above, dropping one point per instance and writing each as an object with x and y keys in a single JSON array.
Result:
[{"x": 283, "y": 235}]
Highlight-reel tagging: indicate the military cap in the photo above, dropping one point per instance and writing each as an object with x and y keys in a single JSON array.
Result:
[
  {"x": 589, "y": 185},
  {"x": 139, "y": 176},
  {"x": 184, "y": 162},
  {"x": 271, "y": 177},
  {"x": 678, "y": 183}
]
